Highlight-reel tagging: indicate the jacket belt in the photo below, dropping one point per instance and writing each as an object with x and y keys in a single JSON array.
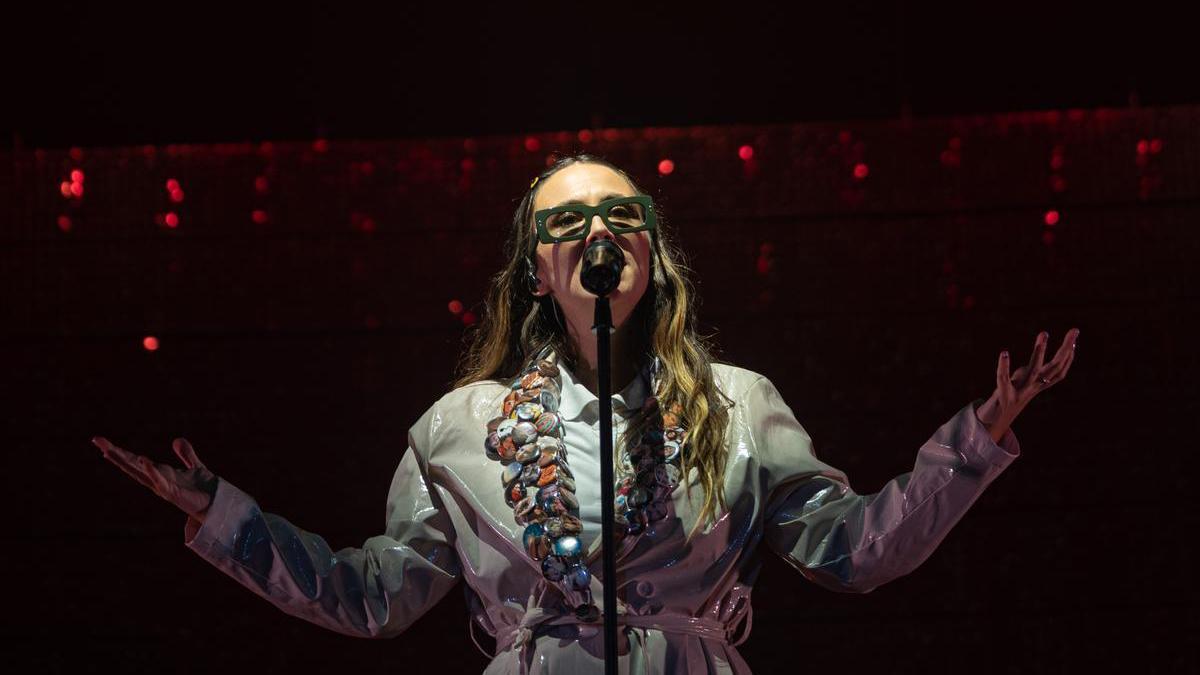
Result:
[{"x": 520, "y": 636}]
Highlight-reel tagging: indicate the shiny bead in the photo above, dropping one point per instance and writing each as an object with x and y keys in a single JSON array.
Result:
[
  {"x": 670, "y": 451},
  {"x": 494, "y": 423},
  {"x": 491, "y": 444},
  {"x": 553, "y": 568},
  {"x": 511, "y": 472},
  {"x": 529, "y": 396},
  {"x": 530, "y": 473},
  {"x": 548, "y": 400},
  {"x": 532, "y": 381},
  {"x": 546, "y": 492},
  {"x": 547, "y": 423},
  {"x": 536, "y": 542},
  {"x": 507, "y": 450},
  {"x": 510, "y": 402},
  {"x": 569, "y": 499},
  {"x": 528, "y": 452},
  {"x": 625, "y": 485},
  {"x": 524, "y": 509},
  {"x": 571, "y": 524},
  {"x": 553, "y": 505},
  {"x": 619, "y": 501},
  {"x": 673, "y": 434},
  {"x": 548, "y": 474},
  {"x": 579, "y": 578},
  {"x": 567, "y": 546},
  {"x": 638, "y": 497},
  {"x": 504, "y": 429},
  {"x": 548, "y": 456},
  {"x": 553, "y": 527},
  {"x": 528, "y": 411},
  {"x": 547, "y": 369},
  {"x": 523, "y": 433},
  {"x": 514, "y": 492},
  {"x": 532, "y": 530},
  {"x": 667, "y": 475},
  {"x": 566, "y": 482}
]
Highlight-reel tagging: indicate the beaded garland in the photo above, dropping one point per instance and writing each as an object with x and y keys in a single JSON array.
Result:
[{"x": 527, "y": 438}]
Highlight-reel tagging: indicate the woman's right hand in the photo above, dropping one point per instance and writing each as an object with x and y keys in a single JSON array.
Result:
[{"x": 192, "y": 490}]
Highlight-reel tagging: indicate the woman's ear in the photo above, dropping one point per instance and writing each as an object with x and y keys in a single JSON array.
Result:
[{"x": 535, "y": 284}]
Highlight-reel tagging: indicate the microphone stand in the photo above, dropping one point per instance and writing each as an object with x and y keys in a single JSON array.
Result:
[
  {"x": 601, "y": 273},
  {"x": 603, "y": 328}
]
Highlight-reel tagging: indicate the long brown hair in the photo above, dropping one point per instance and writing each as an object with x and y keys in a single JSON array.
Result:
[{"x": 516, "y": 325}]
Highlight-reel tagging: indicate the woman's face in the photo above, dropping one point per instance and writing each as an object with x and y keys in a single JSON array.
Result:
[{"x": 559, "y": 265}]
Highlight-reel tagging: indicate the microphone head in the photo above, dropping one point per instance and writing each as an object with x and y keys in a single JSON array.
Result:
[{"x": 602, "y": 264}]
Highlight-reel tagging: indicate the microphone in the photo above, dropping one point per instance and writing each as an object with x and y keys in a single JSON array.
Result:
[{"x": 602, "y": 265}]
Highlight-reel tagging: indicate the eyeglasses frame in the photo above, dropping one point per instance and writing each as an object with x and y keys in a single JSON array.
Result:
[{"x": 590, "y": 212}]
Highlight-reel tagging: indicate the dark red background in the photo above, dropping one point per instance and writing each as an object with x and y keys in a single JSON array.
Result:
[{"x": 294, "y": 351}]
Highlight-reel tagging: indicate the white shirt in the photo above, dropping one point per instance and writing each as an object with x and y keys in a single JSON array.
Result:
[{"x": 579, "y": 410}]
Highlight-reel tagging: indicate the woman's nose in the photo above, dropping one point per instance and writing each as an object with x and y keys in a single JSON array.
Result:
[{"x": 598, "y": 231}]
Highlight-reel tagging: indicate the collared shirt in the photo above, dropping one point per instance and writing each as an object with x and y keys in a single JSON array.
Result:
[{"x": 580, "y": 413}]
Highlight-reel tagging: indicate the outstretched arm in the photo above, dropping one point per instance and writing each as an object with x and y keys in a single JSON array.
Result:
[
  {"x": 854, "y": 543},
  {"x": 375, "y": 591}
]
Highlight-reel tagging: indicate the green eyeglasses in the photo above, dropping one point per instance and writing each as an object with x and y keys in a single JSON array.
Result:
[{"x": 572, "y": 222}]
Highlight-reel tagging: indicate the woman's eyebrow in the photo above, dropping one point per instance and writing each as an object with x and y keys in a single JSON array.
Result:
[{"x": 610, "y": 195}]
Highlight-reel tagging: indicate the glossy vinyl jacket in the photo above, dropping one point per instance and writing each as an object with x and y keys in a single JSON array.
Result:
[{"x": 683, "y": 609}]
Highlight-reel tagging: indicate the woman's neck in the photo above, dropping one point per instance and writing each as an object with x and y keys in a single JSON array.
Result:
[{"x": 623, "y": 365}]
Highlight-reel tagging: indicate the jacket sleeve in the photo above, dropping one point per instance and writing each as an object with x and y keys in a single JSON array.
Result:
[
  {"x": 853, "y": 543},
  {"x": 375, "y": 591}
]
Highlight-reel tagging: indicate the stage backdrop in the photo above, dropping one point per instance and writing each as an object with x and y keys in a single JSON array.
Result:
[{"x": 291, "y": 307}]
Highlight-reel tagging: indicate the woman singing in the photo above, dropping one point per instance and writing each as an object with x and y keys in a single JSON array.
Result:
[{"x": 500, "y": 486}]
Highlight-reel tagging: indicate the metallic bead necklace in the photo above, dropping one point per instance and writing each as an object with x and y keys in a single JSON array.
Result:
[{"x": 527, "y": 439}]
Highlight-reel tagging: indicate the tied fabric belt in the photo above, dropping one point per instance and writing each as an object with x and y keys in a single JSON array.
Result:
[{"x": 520, "y": 636}]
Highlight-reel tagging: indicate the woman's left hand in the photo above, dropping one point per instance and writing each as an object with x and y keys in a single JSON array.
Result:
[{"x": 1015, "y": 391}]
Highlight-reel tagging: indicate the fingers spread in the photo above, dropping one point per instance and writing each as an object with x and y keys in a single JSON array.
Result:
[
  {"x": 1059, "y": 370},
  {"x": 1039, "y": 351}
]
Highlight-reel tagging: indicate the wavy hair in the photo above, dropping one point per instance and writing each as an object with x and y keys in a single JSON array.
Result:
[{"x": 516, "y": 325}]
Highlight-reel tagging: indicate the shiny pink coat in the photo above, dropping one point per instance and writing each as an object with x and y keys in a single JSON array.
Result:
[{"x": 683, "y": 609}]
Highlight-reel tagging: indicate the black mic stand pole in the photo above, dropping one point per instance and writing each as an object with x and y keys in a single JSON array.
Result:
[
  {"x": 603, "y": 328},
  {"x": 602, "y": 264}
]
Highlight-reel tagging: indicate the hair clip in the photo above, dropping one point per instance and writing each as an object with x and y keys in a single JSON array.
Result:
[{"x": 535, "y": 180}]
